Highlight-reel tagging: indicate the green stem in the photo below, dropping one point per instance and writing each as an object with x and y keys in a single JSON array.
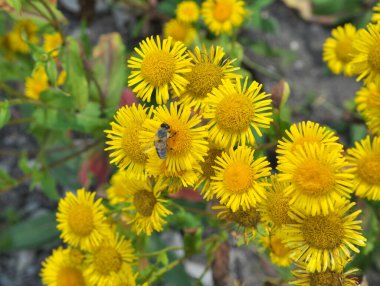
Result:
[
  {"x": 158, "y": 252},
  {"x": 167, "y": 268},
  {"x": 259, "y": 68}
]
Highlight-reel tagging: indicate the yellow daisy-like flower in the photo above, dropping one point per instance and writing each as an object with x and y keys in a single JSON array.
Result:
[
  {"x": 307, "y": 132},
  {"x": 337, "y": 50},
  {"x": 366, "y": 62},
  {"x": 235, "y": 111},
  {"x": 221, "y": 16},
  {"x": 208, "y": 71},
  {"x": 59, "y": 269},
  {"x": 208, "y": 171},
  {"x": 278, "y": 252},
  {"x": 147, "y": 210},
  {"x": 187, "y": 11},
  {"x": 24, "y": 28},
  {"x": 162, "y": 66},
  {"x": 37, "y": 83},
  {"x": 81, "y": 219},
  {"x": 187, "y": 143},
  {"x": 238, "y": 179},
  {"x": 180, "y": 31},
  {"x": 364, "y": 161},
  {"x": 368, "y": 105},
  {"x": 324, "y": 241},
  {"x": 52, "y": 43},
  {"x": 337, "y": 277},
  {"x": 318, "y": 178},
  {"x": 127, "y": 154},
  {"x": 274, "y": 209},
  {"x": 244, "y": 220},
  {"x": 376, "y": 13},
  {"x": 110, "y": 262},
  {"x": 117, "y": 191}
]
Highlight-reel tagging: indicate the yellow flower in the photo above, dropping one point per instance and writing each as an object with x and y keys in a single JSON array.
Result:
[
  {"x": 162, "y": 66},
  {"x": 208, "y": 71},
  {"x": 235, "y": 111},
  {"x": 187, "y": 11},
  {"x": 117, "y": 192},
  {"x": 81, "y": 219},
  {"x": 278, "y": 252},
  {"x": 337, "y": 277},
  {"x": 238, "y": 179},
  {"x": 180, "y": 31},
  {"x": 147, "y": 210},
  {"x": 52, "y": 43},
  {"x": 366, "y": 62},
  {"x": 110, "y": 262},
  {"x": 208, "y": 171},
  {"x": 376, "y": 13},
  {"x": 60, "y": 269},
  {"x": 337, "y": 50},
  {"x": 37, "y": 83},
  {"x": 221, "y": 16},
  {"x": 307, "y": 132},
  {"x": 274, "y": 209},
  {"x": 245, "y": 221},
  {"x": 324, "y": 241},
  {"x": 127, "y": 154},
  {"x": 318, "y": 178},
  {"x": 24, "y": 28},
  {"x": 368, "y": 104},
  {"x": 364, "y": 161},
  {"x": 187, "y": 143}
]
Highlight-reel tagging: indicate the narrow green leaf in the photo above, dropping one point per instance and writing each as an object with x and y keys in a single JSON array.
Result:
[
  {"x": 6, "y": 181},
  {"x": 16, "y": 4},
  {"x": 5, "y": 113}
]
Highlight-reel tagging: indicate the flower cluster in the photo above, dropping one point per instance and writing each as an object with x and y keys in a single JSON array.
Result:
[
  {"x": 96, "y": 254},
  {"x": 220, "y": 17}
]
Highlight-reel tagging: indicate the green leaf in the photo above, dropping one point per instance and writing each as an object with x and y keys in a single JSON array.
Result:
[
  {"x": 49, "y": 187},
  {"x": 23, "y": 163},
  {"x": 16, "y": 4},
  {"x": 51, "y": 71},
  {"x": 6, "y": 181},
  {"x": 89, "y": 119},
  {"x": 30, "y": 233},
  {"x": 357, "y": 132},
  {"x": 5, "y": 113},
  {"x": 163, "y": 258},
  {"x": 76, "y": 81}
]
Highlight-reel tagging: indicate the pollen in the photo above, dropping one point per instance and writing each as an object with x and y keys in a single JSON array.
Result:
[
  {"x": 158, "y": 68},
  {"x": 70, "y": 276},
  {"x": 130, "y": 148},
  {"x": 327, "y": 278},
  {"x": 314, "y": 177},
  {"x": 374, "y": 58},
  {"x": 238, "y": 177},
  {"x": 80, "y": 220},
  {"x": 369, "y": 169},
  {"x": 235, "y": 113},
  {"x": 144, "y": 202},
  {"x": 180, "y": 139},
  {"x": 107, "y": 260},
  {"x": 203, "y": 78},
  {"x": 323, "y": 232},
  {"x": 277, "y": 208},
  {"x": 222, "y": 11}
]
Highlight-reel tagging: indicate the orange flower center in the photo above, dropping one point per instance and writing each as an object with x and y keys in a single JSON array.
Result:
[
  {"x": 222, "y": 11},
  {"x": 106, "y": 260},
  {"x": 374, "y": 58},
  {"x": 369, "y": 169},
  {"x": 70, "y": 276},
  {"x": 343, "y": 50},
  {"x": 158, "y": 68},
  {"x": 80, "y": 220},
  {"x": 238, "y": 177},
  {"x": 327, "y": 278},
  {"x": 144, "y": 202}
]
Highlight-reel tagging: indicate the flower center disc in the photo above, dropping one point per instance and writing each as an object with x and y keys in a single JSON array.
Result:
[
  {"x": 314, "y": 178},
  {"x": 343, "y": 50},
  {"x": 278, "y": 247},
  {"x": 222, "y": 11},
  {"x": 328, "y": 278},
  {"x": 179, "y": 31},
  {"x": 323, "y": 232},
  {"x": 144, "y": 202},
  {"x": 369, "y": 169},
  {"x": 235, "y": 113},
  {"x": 179, "y": 142},
  {"x": 278, "y": 208},
  {"x": 80, "y": 220},
  {"x": 130, "y": 148},
  {"x": 238, "y": 177},
  {"x": 203, "y": 78},
  {"x": 158, "y": 68},
  {"x": 374, "y": 58},
  {"x": 107, "y": 260},
  {"x": 206, "y": 166},
  {"x": 70, "y": 276},
  {"x": 248, "y": 218},
  {"x": 374, "y": 100}
]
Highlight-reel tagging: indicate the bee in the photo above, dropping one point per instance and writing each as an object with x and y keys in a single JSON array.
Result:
[{"x": 160, "y": 143}]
